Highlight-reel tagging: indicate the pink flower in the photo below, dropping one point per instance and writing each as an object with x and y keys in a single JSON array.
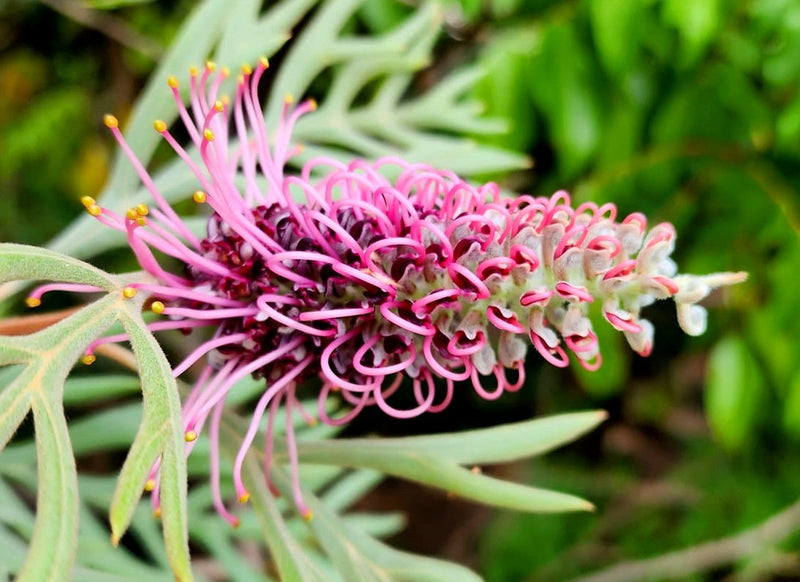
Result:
[{"x": 344, "y": 275}]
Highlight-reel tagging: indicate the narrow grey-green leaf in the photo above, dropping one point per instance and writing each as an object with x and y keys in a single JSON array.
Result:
[{"x": 54, "y": 542}]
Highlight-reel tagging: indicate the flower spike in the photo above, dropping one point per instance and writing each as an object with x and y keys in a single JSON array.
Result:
[{"x": 339, "y": 273}]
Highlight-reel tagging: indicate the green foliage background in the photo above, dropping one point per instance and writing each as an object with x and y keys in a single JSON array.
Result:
[{"x": 686, "y": 111}]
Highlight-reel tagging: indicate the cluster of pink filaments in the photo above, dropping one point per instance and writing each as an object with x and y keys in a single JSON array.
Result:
[{"x": 342, "y": 274}]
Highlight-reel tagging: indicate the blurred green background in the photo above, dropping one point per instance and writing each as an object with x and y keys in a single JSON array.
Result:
[{"x": 686, "y": 110}]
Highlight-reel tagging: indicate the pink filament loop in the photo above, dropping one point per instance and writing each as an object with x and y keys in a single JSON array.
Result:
[
  {"x": 330, "y": 376},
  {"x": 481, "y": 391},
  {"x": 433, "y": 363},
  {"x": 555, "y": 355},
  {"x": 465, "y": 279},
  {"x": 383, "y": 370},
  {"x": 573, "y": 292},
  {"x": 604, "y": 241},
  {"x": 624, "y": 269},
  {"x": 536, "y": 296},
  {"x": 424, "y": 329},
  {"x": 622, "y": 324},
  {"x": 460, "y": 345},
  {"x": 500, "y": 265},
  {"x": 521, "y": 254},
  {"x": 425, "y": 305},
  {"x": 511, "y": 324}
]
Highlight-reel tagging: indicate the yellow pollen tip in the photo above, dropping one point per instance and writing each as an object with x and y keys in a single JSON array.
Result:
[
  {"x": 94, "y": 210},
  {"x": 141, "y": 221},
  {"x": 157, "y": 513},
  {"x": 208, "y": 135},
  {"x": 288, "y": 99},
  {"x": 142, "y": 209},
  {"x": 199, "y": 197},
  {"x": 476, "y": 470},
  {"x": 129, "y": 292},
  {"x": 211, "y": 66},
  {"x": 88, "y": 359},
  {"x": 312, "y": 103},
  {"x": 190, "y": 436},
  {"x": 193, "y": 71},
  {"x": 312, "y": 421},
  {"x": 225, "y": 71},
  {"x": 87, "y": 201},
  {"x": 264, "y": 62},
  {"x": 110, "y": 121},
  {"x": 236, "y": 523},
  {"x": 308, "y": 515},
  {"x": 160, "y": 126},
  {"x": 247, "y": 69},
  {"x": 300, "y": 148},
  {"x": 149, "y": 485},
  {"x": 244, "y": 497},
  {"x": 158, "y": 308},
  {"x": 219, "y": 106},
  {"x": 240, "y": 79},
  {"x": 225, "y": 100},
  {"x": 33, "y": 302},
  {"x": 173, "y": 82},
  {"x": 131, "y": 214}
]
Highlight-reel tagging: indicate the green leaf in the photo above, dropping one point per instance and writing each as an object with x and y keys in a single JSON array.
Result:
[
  {"x": 791, "y": 409},
  {"x": 734, "y": 387},
  {"x": 161, "y": 432},
  {"x": 616, "y": 26}
]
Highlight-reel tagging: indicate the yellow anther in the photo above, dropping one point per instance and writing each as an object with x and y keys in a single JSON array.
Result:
[
  {"x": 157, "y": 513},
  {"x": 240, "y": 79},
  {"x": 300, "y": 148},
  {"x": 190, "y": 436},
  {"x": 129, "y": 292},
  {"x": 225, "y": 71},
  {"x": 157, "y": 307},
  {"x": 219, "y": 106},
  {"x": 88, "y": 359},
  {"x": 313, "y": 421},
  {"x": 236, "y": 523},
  {"x": 193, "y": 71},
  {"x": 87, "y": 201},
  {"x": 225, "y": 100},
  {"x": 33, "y": 302},
  {"x": 288, "y": 99},
  {"x": 94, "y": 210},
  {"x": 308, "y": 515},
  {"x": 173, "y": 82},
  {"x": 110, "y": 121},
  {"x": 208, "y": 135},
  {"x": 264, "y": 62},
  {"x": 247, "y": 69},
  {"x": 199, "y": 197},
  {"x": 476, "y": 470},
  {"x": 312, "y": 104},
  {"x": 141, "y": 221},
  {"x": 244, "y": 497},
  {"x": 211, "y": 66},
  {"x": 131, "y": 214},
  {"x": 142, "y": 209},
  {"x": 160, "y": 126},
  {"x": 149, "y": 485}
]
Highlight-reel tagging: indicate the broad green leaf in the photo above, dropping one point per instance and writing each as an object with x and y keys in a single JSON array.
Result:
[
  {"x": 734, "y": 387},
  {"x": 617, "y": 29},
  {"x": 791, "y": 410}
]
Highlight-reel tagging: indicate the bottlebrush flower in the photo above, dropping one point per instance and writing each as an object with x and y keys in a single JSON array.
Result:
[{"x": 341, "y": 274}]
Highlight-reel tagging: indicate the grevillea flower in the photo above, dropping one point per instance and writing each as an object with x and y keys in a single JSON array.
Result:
[{"x": 341, "y": 274}]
